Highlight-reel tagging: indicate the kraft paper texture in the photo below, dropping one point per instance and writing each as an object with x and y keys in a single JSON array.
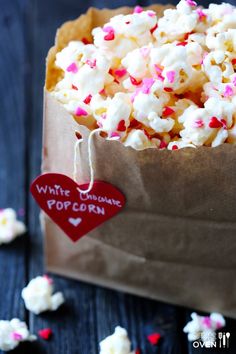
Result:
[{"x": 175, "y": 240}]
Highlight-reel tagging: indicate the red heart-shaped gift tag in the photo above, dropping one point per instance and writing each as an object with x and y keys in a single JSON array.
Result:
[{"x": 74, "y": 212}]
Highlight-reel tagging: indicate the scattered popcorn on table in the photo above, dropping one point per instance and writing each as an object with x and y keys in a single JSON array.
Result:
[
  {"x": 38, "y": 296},
  {"x": 151, "y": 82},
  {"x": 202, "y": 327},
  {"x": 10, "y": 227},
  {"x": 117, "y": 343},
  {"x": 12, "y": 333}
]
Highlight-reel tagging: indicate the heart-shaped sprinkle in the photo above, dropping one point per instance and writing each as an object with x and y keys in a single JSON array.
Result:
[
  {"x": 80, "y": 112},
  {"x": 110, "y": 33},
  {"x": 154, "y": 338},
  {"x": 87, "y": 100},
  {"x": 134, "y": 81},
  {"x": 234, "y": 61},
  {"x": 72, "y": 68},
  {"x": 45, "y": 333},
  {"x": 215, "y": 123},
  {"x": 76, "y": 213},
  {"x": 170, "y": 76},
  {"x": 175, "y": 147},
  {"x": 120, "y": 72},
  {"x": 138, "y": 10},
  {"x": 74, "y": 87},
  {"x": 163, "y": 145},
  {"x": 86, "y": 41},
  {"x": 182, "y": 44},
  {"x": 121, "y": 127},
  {"x": 167, "y": 111}
]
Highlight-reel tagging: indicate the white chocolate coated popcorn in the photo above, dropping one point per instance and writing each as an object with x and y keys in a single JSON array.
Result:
[
  {"x": 12, "y": 333},
  {"x": 117, "y": 343},
  {"x": 10, "y": 227},
  {"x": 38, "y": 295},
  {"x": 151, "y": 82},
  {"x": 200, "y": 325}
]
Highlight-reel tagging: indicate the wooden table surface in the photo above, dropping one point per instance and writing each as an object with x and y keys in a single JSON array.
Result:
[{"x": 27, "y": 29}]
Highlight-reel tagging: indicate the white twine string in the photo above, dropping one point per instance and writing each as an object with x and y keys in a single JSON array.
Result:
[{"x": 78, "y": 142}]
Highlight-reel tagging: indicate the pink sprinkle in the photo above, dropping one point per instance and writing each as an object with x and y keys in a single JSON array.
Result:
[
  {"x": 120, "y": 72},
  {"x": 234, "y": 81},
  {"x": 100, "y": 125},
  {"x": 80, "y": 112},
  {"x": 138, "y": 10},
  {"x": 198, "y": 123},
  {"x": 114, "y": 136},
  {"x": 160, "y": 77},
  {"x": 228, "y": 91},
  {"x": 102, "y": 92},
  {"x": 72, "y": 68},
  {"x": 110, "y": 33},
  {"x": 91, "y": 63},
  {"x": 103, "y": 116},
  {"x": 151, "y": 13},
  {"x": 170, "y": 76},
  {"x": 108, "y": 29},
  {"x": 201, "y": 15},
  {"x": 145, "y": 51},
  {"x": 147, "y": 84},
  {"x": 206, "y": 321},
  {"x": 49, "y": 280},
  {"x": 191, "y": 3},
  {"x": 17, "y": 336}
]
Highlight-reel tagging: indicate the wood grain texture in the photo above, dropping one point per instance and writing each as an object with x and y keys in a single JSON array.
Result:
[
  {"x": 27, "y": 30},
  {"x": 13, "y": 273}
]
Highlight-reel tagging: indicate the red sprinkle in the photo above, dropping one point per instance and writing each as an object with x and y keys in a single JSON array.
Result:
[
  {"x": 109, "y": 36},
  {"x": 74, "y": 87},
  {"x": 121, "y": 126},
  {"x": 215, "y": 123},
  {"x": 234, "y": 61},
  {"x": 183, "y": 44},
  {"x": 168, "y": 89},
  {"x": 154, "y": 28},
  {"x": 135, "y": 124},
  {"x": 163, "y": 145},
  {"x": 138, "y": 351},
  {"x": 85, "y": 40},
  {"x": 167, "y": 111},
  {"x": 45, "y": 333},
  {"x": 154, "y": 337},
  {"x": 87, "y": 100},
  {"x": 174, "y": 147},
  {"x": 134, "y": 81}
]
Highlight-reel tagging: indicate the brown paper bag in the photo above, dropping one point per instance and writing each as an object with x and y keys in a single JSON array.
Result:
[{"x": 176, "y": 238}]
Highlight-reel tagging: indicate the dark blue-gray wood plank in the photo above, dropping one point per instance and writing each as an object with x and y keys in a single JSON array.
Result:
[{"x": 13, "y": 274}]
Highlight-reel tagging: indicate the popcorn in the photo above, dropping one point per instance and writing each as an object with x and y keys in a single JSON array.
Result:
[
  {"x": 12, "y": 333},
  {"x": 38, "y": 297},
  {"x": 175, "y": 77},
  {"x": 117, "y": 343},
  {"x": 10, "y": 227},
  {"x": 200, "y": 326}
]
